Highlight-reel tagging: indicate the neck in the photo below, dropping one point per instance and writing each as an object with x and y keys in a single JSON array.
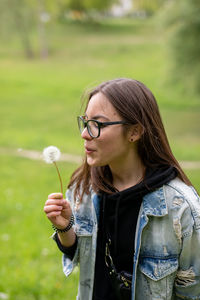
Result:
[{"x": 128, "y": 173}]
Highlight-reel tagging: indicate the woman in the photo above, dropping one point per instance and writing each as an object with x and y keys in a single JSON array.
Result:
[{"x": 136, "y": 214}]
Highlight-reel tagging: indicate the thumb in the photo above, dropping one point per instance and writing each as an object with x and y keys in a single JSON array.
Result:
[{"x": 55, "y": 196}]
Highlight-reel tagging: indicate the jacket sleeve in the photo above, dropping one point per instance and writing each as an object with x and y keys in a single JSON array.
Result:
[
  {"x": 85, "y": 228},
  {"x": 187, "y": 282},
  {"x": 70, "y": 263},
  {"x": 69, "y": 251}
]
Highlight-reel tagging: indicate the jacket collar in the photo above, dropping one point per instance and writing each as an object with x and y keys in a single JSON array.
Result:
[{"x": 154, "y": 203}]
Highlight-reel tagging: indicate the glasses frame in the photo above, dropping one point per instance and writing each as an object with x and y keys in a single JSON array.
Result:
[{"x": 99, "y": 124}]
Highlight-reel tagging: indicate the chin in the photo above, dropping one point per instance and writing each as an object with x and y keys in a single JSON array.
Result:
[{"x": 94, "y": 163}]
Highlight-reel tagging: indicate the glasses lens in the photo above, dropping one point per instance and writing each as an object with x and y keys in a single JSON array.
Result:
[
  {"x": 93, "y": 128},
  {"x": 81, "y": 124}
]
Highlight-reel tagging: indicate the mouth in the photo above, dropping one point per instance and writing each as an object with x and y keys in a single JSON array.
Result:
[{"x": 89, "y": 150}]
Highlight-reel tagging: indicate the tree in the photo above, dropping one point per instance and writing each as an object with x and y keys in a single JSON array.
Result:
[
  {"x": 23, "y": 17},
  {"x": 149, "y": 6},
  {"x": 183, "y": 20},
  {"x": 15, "y": 17},
  {"x": 88, "y": 5}
]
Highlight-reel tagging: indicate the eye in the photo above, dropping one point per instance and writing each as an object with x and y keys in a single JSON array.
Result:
[{"x": 95, "y": 124}]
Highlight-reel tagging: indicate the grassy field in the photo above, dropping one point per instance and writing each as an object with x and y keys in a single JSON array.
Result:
[
  {"x": 30, "y": 262},
  {"x": 39, "y": 104}
]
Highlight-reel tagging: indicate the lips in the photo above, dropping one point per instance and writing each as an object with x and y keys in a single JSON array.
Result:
[{"x": 89, "y": 150}]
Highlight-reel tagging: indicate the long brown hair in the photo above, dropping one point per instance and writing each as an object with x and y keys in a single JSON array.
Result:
[{"x": 135, "y": 104}]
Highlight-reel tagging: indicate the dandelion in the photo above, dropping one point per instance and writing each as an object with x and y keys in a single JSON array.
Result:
[
  {"x": 4, "y": 296},
  {"x": 52, "y": 154}
]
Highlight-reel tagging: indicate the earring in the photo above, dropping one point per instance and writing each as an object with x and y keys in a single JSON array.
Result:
[{"x": 132, "y": 140}]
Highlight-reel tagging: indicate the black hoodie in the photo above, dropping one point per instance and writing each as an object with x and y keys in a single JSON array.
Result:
[{"x": 118, "y": 219}]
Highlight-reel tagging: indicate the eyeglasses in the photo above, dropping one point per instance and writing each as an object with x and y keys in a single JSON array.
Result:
[{"x": 94, "y": 126}]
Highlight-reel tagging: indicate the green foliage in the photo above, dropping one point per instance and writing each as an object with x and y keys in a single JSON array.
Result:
[
  {"x": 76, "y": 5},
  {"x": 86, "y": 5},
  {"x": 99, "y": 5},
  {"x": 17, "y": 15},
  {"x": 149, "y": 6},
  {"x": 183, "y": 21},
  {"x": 25, "y": 16}
]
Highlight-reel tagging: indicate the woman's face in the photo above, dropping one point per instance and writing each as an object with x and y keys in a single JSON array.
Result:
[{"x": 111, "y": 147}]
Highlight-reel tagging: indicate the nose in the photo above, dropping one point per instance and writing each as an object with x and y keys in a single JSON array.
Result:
[{"x": 85, "y": 134}]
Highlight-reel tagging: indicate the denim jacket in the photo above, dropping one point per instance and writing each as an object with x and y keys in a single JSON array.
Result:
[{"x": 166, "y": 262}]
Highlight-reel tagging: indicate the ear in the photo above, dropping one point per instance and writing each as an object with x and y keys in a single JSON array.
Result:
[{"x": 135, "y": 133}]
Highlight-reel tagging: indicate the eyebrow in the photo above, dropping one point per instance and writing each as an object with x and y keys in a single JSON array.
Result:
[{"x": 96, "y": 117}]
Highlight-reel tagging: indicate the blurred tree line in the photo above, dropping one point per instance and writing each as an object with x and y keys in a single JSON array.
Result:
[
  {"x": 149, "y": 6},
  {"x": 181, "y": 18},
  {"x": 24, "y": 16}
]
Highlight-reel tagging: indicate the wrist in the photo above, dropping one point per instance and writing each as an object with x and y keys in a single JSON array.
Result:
[
  {"x": 62, "y": 245},
  {"x": 65, "y": 229}
]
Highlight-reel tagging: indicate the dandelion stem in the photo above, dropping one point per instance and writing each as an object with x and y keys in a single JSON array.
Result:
[{"x": 59, "y": 177}]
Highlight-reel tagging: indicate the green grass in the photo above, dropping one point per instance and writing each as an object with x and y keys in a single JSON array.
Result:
[
  {"x": 30, "y": 262},
  {"x": 39, "y": 104}
]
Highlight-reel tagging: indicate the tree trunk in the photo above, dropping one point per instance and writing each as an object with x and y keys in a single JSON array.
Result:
[
  {"x": 44, "y": 52},
  {"x": 23, "y": 33}
]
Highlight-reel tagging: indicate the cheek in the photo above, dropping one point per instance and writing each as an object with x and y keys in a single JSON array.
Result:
[
  {"x": 105, "y": 143},
  {"x": 111, "y": 145}
]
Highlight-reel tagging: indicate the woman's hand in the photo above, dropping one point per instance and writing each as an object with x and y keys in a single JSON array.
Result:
[{"x": 58, "y": 210}]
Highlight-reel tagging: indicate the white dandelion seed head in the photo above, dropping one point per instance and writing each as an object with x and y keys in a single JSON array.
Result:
[
  {"x": 51, "y": 154},
  {"x": 4, "y": 296}
]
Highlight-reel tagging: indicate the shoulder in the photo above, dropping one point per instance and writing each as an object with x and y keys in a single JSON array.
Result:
[
  {"x": 178, "y": 189},
  {"x": 182, "y": 200}
]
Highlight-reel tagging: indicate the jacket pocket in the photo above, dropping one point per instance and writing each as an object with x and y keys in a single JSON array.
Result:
[
  {"x": 158, "y": 268},
  {"x": 155, "y": 278}
]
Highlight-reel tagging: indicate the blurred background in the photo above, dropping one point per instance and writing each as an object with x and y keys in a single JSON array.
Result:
[{"x": 51, "y": 51}]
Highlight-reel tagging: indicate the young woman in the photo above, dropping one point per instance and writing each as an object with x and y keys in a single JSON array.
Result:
[{"x": 135, "y": 214}]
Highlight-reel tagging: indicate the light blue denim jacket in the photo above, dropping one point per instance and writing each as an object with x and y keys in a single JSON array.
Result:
[{"x": 166, "y": 263}]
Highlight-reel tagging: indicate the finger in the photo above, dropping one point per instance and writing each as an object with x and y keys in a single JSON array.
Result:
[
  {"x": 55, "y": 196},
  {"x": 51, "y": 208},
  {"x": 53, "y": 214},
  {"x": 55, "y": 202},
  {"x": 66, "y": 204}
]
